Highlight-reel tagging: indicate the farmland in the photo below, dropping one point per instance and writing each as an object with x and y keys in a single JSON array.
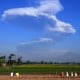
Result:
[{"x": 41, "y": 69}]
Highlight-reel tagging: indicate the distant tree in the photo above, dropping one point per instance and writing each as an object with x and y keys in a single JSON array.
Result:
[
  {"x": 42, "y": 62},
  {"x": 28, "y": 62},
  {"x": 11, "y": 60},
  {"x": 51, "y": 62},
  {"x": 3, "y": 61},
  {"x": 19, "y": 60}
]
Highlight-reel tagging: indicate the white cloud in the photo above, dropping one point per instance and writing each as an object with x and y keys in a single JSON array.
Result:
[
  {"x": 50, "y": 6},
  {"x": 38, "y": 41},
  {"x": 61, "y": 26},
  {"x": 47, "y": 8},
  {"x": 45, "y": 39},
  {"x": 20, "y": 12}
]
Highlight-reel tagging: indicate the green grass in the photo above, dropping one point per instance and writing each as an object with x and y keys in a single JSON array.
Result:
[{"x": 40, "y": 69}]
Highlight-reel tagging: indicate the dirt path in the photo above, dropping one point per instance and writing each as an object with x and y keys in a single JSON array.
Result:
[{"x": 37, "y": 77}]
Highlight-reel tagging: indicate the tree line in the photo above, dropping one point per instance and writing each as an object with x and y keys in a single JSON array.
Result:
[
  {"x": 10, "y": 61},
  {"x": 13, "y": 60}
]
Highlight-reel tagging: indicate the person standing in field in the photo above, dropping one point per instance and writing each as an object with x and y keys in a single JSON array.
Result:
[
  {"x": 11, "y": 74},
  {"x": 67, "y": 74},
  {"x": 72, "y": 74},
  {"x": 17, "y": 74},
  {"x": 76, "y": 74}
]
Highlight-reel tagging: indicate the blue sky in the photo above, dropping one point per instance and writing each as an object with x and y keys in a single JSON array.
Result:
[{"x": 40, "y": 29}]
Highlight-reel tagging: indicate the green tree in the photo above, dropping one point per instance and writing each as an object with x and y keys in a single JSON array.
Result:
[
  {"x": 19, "y": 60},
  {"x": 2, "y": 60},
  {"x": 11, "y": 61}
]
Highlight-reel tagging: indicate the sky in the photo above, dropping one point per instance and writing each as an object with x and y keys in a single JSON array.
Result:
[{"x": 40, "y": 29}]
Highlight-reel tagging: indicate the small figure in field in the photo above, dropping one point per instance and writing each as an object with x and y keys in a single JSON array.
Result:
[
  {"x": 49, "y": 75},
  {"x": 67, "y": 74},
  {"x": 76, "y": 74},
  {"x": 11, "y": 74},
  {"x": 17, "y": 74},
  {"x": 72, "y": 74},
  {"x": 62, "y": 74}
]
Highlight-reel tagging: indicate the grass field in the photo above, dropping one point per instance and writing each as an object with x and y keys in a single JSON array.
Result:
[{"x": 41, "y": 69}]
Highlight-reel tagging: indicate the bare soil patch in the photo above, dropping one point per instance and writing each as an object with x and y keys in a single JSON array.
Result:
[{"x": 37, "y": 77}]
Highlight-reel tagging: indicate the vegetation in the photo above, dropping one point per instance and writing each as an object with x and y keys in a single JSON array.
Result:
[
  {"x": 11, "y": 61},
  {"x": 3, "y": 61},
  {"x": 40, "y": 69},
  {"x": 14, "y": 64}
]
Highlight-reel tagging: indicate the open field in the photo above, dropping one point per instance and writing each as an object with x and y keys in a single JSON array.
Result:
[
  {"x": 37, "y": 77},
  {"x": 40, "y": 72},
  {"x": 41, "y": 69}
]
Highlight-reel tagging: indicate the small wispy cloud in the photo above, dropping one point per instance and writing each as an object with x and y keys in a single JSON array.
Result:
[
  {"x": 47, "y": 8},
  {"x": 45, "y": 39},
  {"x": 41, "y": 40}
]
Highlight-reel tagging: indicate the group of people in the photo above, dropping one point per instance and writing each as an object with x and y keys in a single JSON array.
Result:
[
  {"x": 62, "y": 74},
  {"x": 69, "y": 74},
  {"x": 16, "y": 74}
]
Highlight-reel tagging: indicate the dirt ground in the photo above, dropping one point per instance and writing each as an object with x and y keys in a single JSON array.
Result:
[{"x": 37, "y": 77}]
